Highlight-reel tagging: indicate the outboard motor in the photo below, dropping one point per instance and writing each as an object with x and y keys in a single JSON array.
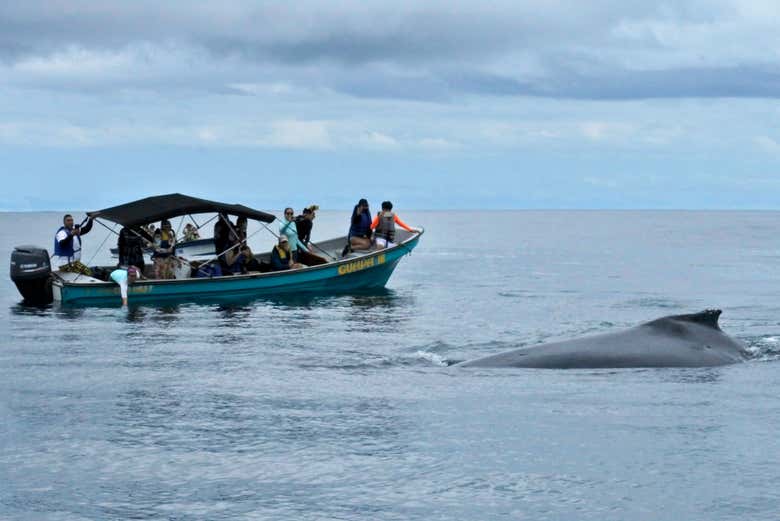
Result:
[{"x": 31, "y": 272}]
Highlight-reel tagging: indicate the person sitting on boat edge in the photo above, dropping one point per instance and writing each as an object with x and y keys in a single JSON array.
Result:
[
  {"x": 164, "y": 248},
  {"x": 288, "y": 228},
  {"x": 384, "y": 226},
  {"x": 360, "y": 227},
  {"x": 281, "y": 256},
  {"x": 67, "y": 246},
  {"x": 124, "y": 276},
  {"x": 131, "y": 248}
]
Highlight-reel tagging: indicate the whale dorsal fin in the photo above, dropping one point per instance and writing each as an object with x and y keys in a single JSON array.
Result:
[{"x": 708, "y": 317}]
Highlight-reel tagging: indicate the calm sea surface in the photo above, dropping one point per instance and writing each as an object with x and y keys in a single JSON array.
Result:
[{"x": 344, "y": 407}]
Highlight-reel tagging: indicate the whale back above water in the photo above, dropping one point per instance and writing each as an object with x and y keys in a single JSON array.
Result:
[{"x": 692, "y": 340}]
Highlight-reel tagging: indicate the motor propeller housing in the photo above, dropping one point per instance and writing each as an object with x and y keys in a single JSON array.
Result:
[{"x": 31, "y": 272}]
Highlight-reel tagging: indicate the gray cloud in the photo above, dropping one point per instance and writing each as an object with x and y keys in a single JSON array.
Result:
[{"x": 433, "y": 51}]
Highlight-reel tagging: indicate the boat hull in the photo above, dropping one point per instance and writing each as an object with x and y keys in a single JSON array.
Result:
[{"x": 371, "y": 271}]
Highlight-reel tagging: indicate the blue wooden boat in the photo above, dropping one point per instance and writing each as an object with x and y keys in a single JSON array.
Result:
[{"x": 357, "y": 271}]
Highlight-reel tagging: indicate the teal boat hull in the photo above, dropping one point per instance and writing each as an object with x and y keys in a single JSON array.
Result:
[{"x": 367, "y": 272}]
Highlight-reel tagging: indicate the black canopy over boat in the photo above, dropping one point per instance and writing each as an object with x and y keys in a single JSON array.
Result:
[{"x": 160, "y": 207}]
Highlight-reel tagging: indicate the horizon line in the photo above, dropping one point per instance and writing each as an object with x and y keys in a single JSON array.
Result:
[{"x": 473, "y": 209}]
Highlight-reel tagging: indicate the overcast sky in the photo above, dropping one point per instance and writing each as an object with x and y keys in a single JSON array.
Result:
[{"x": 521, "y": 104}]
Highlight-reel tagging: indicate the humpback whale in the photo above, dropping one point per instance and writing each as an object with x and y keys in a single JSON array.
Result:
[{"x": 693, "y": 340}]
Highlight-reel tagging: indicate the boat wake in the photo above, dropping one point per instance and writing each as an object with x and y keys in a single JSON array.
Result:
[
  {"x": 431, "y": 358},
  {"x": 434, "y": 354},
  {"x": 369, "y": 361},
  {"x": 438, "y": 353},
  {"x": 443, "y": 354},
  {"x": 764, "y": 348}
]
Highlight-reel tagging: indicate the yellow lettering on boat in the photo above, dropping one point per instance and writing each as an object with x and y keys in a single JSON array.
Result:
[{"x": 360, "y": 264}]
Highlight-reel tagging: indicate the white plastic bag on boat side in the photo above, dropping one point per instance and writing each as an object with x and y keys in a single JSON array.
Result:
[{"x": 181, "y": 269}]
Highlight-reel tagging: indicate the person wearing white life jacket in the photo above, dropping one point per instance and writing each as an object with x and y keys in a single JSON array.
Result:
[
  {"x": 384, "y": 226},
  {"x": 67, "y": 246}
]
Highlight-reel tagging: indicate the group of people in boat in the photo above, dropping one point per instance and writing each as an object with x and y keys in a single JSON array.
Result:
[
  {"x": 293, "y": 250},
  {"x": 162, "y": 241}
]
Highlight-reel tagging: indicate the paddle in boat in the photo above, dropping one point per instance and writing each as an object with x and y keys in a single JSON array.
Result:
[{"x": 361, "y": 270}]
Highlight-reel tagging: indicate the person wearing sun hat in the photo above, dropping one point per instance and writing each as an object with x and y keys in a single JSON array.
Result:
[{"x": 281, "y": 256}]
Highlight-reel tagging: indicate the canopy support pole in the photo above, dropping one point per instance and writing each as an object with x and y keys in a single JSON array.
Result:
[
  {"x": 99, "y": 247},
  {"x": 310, "y": 242},
  {"x": 199, "y": 226},
  {"x": 218, "y": 255}
]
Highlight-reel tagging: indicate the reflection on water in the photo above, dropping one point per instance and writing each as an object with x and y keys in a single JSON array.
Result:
[
  {"x": 168, "y": 313},
  {"x": 367, "y": 299},
  {"x": 380, "y": 298},
  {"x": 381, "y": 310},
  {"x": 165, "y": 314},
  {"x": 232, "y": 311},
  {"x": 701, "y": 375},
  {"x": 232, "y": 325},
  {"x": 213, "y": 421},
  {"x": 24, "y": 309},
  {"x": 68, "y": 313},
  {"x": 136, "y": 314}
]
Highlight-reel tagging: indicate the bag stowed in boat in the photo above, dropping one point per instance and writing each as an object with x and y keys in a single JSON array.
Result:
[
  {"x": 181, "y": 269},
  {"x": 207, "y": 270}
]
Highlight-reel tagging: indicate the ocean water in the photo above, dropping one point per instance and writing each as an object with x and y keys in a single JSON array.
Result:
[{"x": 346, "y": 407}]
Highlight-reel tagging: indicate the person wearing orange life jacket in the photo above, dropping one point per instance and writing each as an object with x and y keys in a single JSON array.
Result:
[{"x": 384, "y": 226}]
